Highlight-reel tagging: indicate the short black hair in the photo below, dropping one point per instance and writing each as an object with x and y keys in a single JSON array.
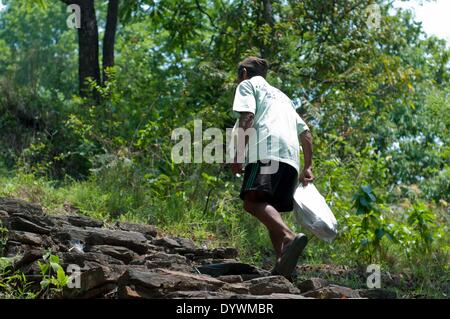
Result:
[{"x": 254, "y": 66}]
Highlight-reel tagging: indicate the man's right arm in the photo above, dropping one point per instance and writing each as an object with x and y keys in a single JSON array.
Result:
[
  {"x": 306, "y": 176},
  {"x": 245, "y": 122},
  {"x": 244, "y": 104}
]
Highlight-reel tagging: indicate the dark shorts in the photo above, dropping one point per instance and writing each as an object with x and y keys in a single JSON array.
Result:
[{"x": 278, "y": 187}]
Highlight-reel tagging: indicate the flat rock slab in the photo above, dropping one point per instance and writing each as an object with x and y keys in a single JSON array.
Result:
[
  {"x": 209, "y": 261},
  {"x": 132, "y": 240},
  {"x": 226, "y": 269},
  {"x": 149, "y": 231},
  {"x": 88, "y": 260},
  {"x": 29, "y": 256},
  {"x": 14, "y": 206},
  {"x": 232, "y": 279},
  {"x": 100, "y": 236},
  {"x": 26, "y": 237},
  {"x": 158, "y": 282},
  {"x": 118, "y": 252},
  {"x": 332, "y": 292},
  {"x": 312, "y": 284},
  {"x": 84, "y": 221},
  {"x": 30, "y": 224},
  {"x": 167, "y": 242},
  {"x": 3, "y": 215},
  {"x": 164, "y": 260},
  {"x": 200, "y": 253},
  {"x": 270, "y": 285}
]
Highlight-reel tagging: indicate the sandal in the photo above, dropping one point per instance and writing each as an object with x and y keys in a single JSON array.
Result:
[{"x": 289, "y": 256}]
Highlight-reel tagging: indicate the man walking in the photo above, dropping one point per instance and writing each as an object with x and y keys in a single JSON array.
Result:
[{"x": 272, "y": 159}]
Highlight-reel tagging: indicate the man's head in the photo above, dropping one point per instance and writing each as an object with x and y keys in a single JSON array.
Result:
[{"x": 250, "y": 67}]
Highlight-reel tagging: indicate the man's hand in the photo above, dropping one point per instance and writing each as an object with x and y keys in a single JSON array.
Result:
[
  {"x": 236, "y": 168},
  {"x": 306, "y": 176}
]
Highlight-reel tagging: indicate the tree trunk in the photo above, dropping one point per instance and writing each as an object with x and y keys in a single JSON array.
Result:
[
  {"x": 267, "y": 49},
  {"x": 110, "y": 36},
  {"x": 268, "y": 14},
  {"x": 88, "y": 49}
]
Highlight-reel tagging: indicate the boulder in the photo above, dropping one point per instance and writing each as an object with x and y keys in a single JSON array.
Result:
[
  {"x": 132, "y": 240},
  {"x": 84, "y": 221},
  {"x": 14, "y": 249},
  {"x": 312, "y": 284},
  {"x": 3, "y": 215},
  {"x": 209, "y": 261},
  {"x": 247, "y": 277},
  {"x": 236, "y": 288},
  {"x": 26, "y": 237},
  {"x": 224, "y": 269},
  {"x": 14, "y": 206},
  {"x": 225, "y": 252},
  {"x": 164, "y": 260},
  {"x": 166, "y": 242},
  {"x": 31, "y": 225},
  {"x": 100, "y": 236},
  {"x": 200, "y": 253},
  {"x": 121, "y": 253},
  {"x": 28, "y": 257},
  {"x": 185, "y": 243},
  {"x": 127, "y": 292},
  {"x": 157, "y": 283},
  {"x": 149, "y": 231},
  {"x": 331, "y": 292},
  {"x": 270, "y": 285},
  {"x": 66, "y": 234},
  {"x": 98, "y": 281},
  {"x": 87, "y": 260},
  {"x": 89, "y": 279},
  {"x": 232, "y": 279}
]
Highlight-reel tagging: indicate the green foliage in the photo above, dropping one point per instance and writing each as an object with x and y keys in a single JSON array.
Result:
[
  {"x": 14, "y": 284},
  {"x": 35, "y": 36},
  {"x": 423, "y": 222},
  {"x": 54, "y": 279},
  {"x": 124, "y": 183},
  {"x": 369, "y": 226}
]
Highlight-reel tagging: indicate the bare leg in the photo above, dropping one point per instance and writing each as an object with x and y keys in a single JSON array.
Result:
[
  {"x": 276, "y": 244},
  {"x": 279, "y": 233}
]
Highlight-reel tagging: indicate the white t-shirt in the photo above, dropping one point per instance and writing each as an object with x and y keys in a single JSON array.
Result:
[{"x": 276, "y": 122}]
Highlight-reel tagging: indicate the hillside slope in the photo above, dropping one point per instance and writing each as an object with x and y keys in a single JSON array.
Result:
[{"x": 128, "y": 260}]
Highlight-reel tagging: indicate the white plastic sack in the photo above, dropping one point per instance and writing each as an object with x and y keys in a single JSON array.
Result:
[{"x": 312, "y": 212}]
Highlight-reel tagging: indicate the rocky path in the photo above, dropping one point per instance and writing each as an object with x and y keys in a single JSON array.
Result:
[{"x": 131, "y": 261}]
